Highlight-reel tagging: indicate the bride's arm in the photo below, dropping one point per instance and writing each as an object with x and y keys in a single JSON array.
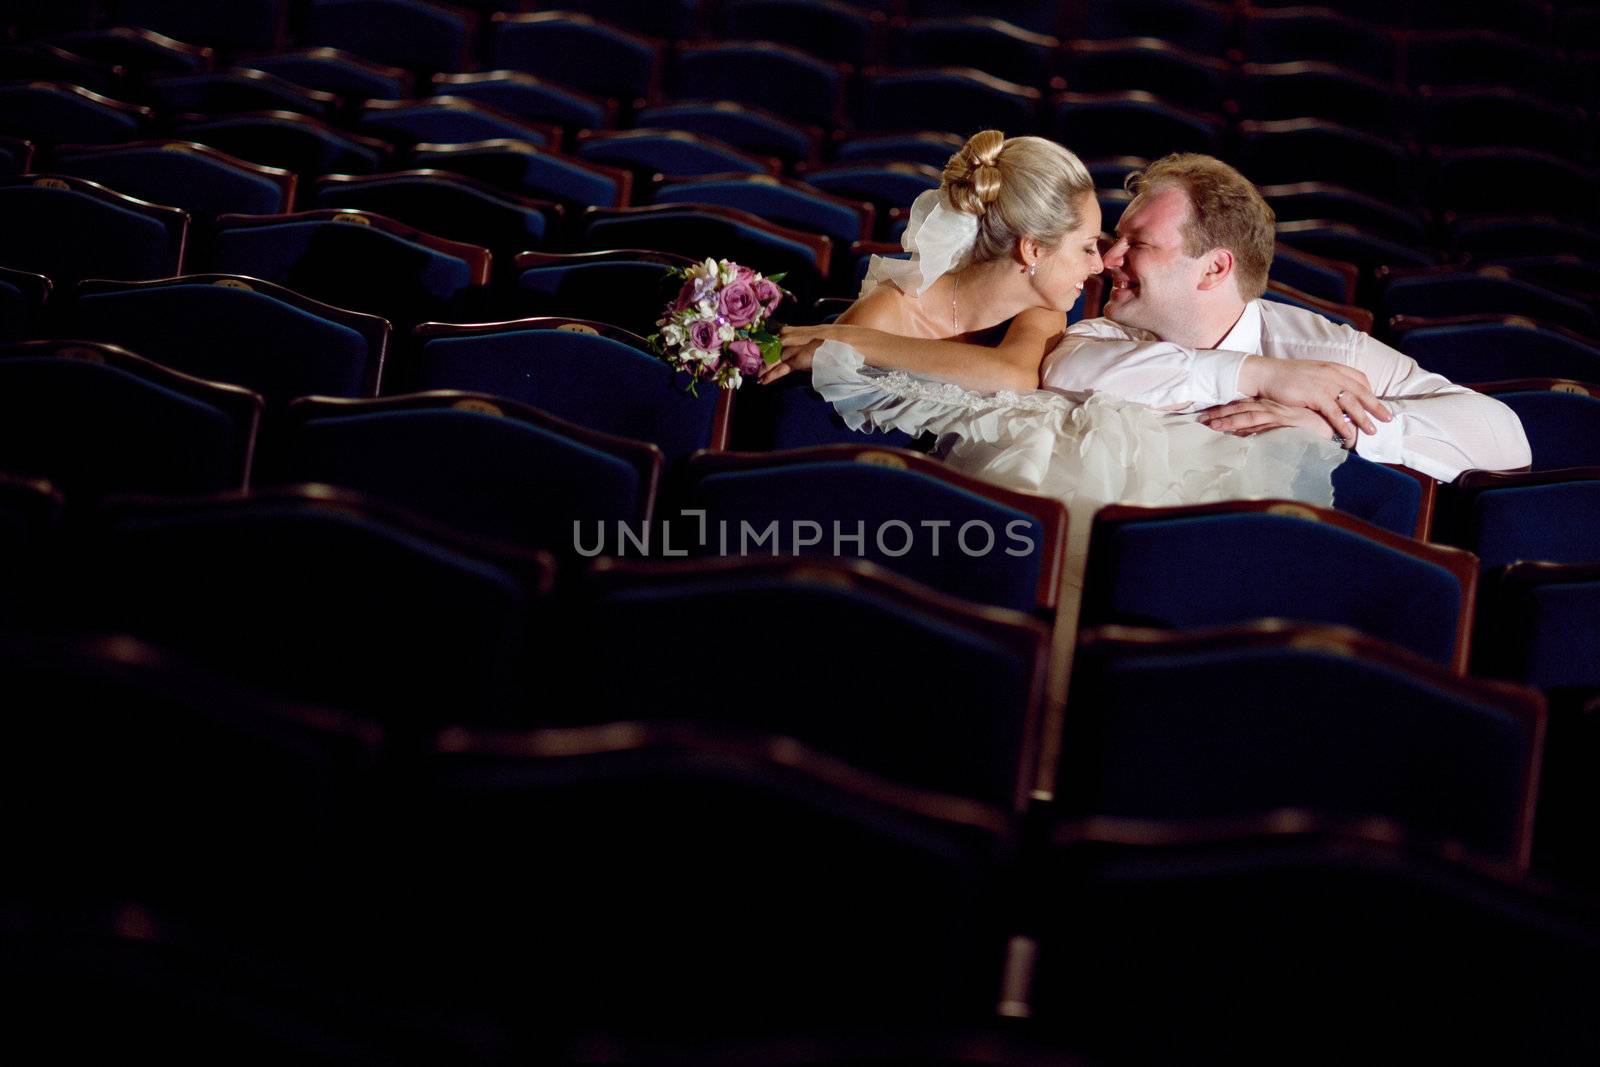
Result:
[{"x": 1012, "y": 365}]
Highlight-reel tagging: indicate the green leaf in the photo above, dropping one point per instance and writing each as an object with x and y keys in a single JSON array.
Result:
[
  {"x": 777, "y": 278},
  {"x": 771, "y": 350}
]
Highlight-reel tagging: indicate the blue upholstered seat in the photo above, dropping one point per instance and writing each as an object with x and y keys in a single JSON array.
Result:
[
  {"x": 989, "y": 550},
  {"x": 778, "y": 78},
  {"x": 672, "y": 152},
  {"x": 530, "y": 171},
  {"x": 594, "y": 381},
  {"x": 527, "y": 97},
  {"x": 972, "y": 718},
  {"x": 1184, "y": 568},
  {"x": 320, "y": 596},
  {"x": 401, "y": 33},
  {"x": 625, "y": 288},
  {"x": 242, "y": 331},
  {"x": 1497, "y": 350},
  {"x": 241, "y": 25},
  {"x": 294, "y": 142},
  {"x": 825, "y": 28},
  {"x": 1563, "y": 428},
  {"x": 960, "y": 101},
  {"x": 94, "y": 422},
  {"x": 1208, "y": 729},
  {"x": 788, "y": 204},
  {"x": 743, "y": 126},
  {"x": 334, "y": 71},
  {"x": 205, "y": 183},
  {"x": 444, "y": 204},
  {"x": 1553, "y": 521},
  {"x": 576, "y": 50},
  {"x": 482, "y": 466},
  {"x": 60, "y": 114},
  {"x": 1131, "y": 123},
  {"x": 328, "y": 256},
  {"x": 68, "y": 230}
]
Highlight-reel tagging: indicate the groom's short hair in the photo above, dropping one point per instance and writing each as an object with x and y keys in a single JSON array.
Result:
[{"x": 1225, "y": 211}]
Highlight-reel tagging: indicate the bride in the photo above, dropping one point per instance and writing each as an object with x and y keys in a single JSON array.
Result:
[{"x": 1012, "y": 233}]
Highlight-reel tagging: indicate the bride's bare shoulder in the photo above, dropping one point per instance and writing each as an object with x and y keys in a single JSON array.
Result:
[{"x": 885, "y": 308}]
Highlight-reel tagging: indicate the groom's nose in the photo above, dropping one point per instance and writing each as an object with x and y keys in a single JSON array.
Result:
[{"x": 1112, "y": 251}]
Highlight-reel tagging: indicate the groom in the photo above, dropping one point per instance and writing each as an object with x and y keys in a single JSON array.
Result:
[{"x": 1185, "y": 329}]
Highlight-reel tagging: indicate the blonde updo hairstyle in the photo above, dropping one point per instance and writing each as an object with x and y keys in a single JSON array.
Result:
[{"x": 1021, "y": 187}]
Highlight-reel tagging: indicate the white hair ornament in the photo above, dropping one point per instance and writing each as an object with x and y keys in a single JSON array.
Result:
[{"x": 940, "y": 240}]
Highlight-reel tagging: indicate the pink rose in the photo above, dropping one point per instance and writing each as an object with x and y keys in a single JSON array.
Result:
[
  {"x": 703, "y": 335},
  {"x": 769, "y": 295},
  {"x": 748, "y": 355},
  {"x": 743, "y": 274},
  {"x": 737, "y": 302},
  {"x": 685, "y": 296}
]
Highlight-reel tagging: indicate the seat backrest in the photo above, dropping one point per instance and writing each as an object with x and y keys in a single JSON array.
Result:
[
  {"x": 625, "y": 287},
  {"x": 402, "y": 33},
  {"x": 322, "y": 595},
  {"x": 355, "y": 259},
  {"x": 95, "y": 419},
  {"x": 248, "y": 24},
  {"x": 975, "y": 721},
  {"x": 484, "y": 465},
  {"x": 1495, "y": 348},
  {"x": 598, "y": 382},
  {"x": 56, "y": 113},
  {"x": 576, "y": 50},
  {"x": 191, "y": 176},
  {"x": 1249, "y": 720},
  {"x": 997, "y": 546},
  {"x": 1186, "y": 566},
  {"x": 69, "y": 229},
  {"x": 611, "y": 802},
  {"x": 450, "y": 205},
  {"x": 240, "y": 330}
]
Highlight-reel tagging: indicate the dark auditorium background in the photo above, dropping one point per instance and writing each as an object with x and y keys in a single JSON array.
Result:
[{"x": 376, "y": 687}]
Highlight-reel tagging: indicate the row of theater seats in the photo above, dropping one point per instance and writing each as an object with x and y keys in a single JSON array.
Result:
[
  {"x": 289, "y": 588},
  {"x": 313, "y": 883},
  {"x": 1486, "y": 323}
]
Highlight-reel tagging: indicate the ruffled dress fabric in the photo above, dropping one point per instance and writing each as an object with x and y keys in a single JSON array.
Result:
[{"x": 1088, "y": 450}]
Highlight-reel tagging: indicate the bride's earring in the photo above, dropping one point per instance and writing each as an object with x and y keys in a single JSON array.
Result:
[{"x": 1033, "y": 268}]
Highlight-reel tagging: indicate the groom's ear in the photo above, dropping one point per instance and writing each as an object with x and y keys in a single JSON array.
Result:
[{"x": 1219, "y": 268}]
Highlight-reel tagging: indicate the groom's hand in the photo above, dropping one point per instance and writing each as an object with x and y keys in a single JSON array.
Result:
[
  {"x": 1245, "y": 418},
  {"x": 1341, "y": 395}
]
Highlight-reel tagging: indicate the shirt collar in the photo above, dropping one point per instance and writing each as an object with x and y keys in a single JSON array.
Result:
[{"x": 1246, "y": 333}]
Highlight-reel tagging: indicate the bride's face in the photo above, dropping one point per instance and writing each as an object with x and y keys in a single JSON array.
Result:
[{"x": 1063, "y": 269}]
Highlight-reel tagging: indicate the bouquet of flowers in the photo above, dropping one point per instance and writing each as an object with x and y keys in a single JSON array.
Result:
[{"x": 715, "y": 329}]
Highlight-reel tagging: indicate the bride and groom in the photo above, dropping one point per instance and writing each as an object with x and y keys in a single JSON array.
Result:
[{"x": 1191, "y": 388}]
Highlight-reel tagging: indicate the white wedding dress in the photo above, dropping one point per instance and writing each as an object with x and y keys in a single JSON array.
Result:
[
  {"x": 1087, "y": 450},
  {"x": 1084, "y": 449}
]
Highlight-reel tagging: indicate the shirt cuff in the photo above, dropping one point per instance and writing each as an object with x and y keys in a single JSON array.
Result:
[
  {"x": 1385, "y": 446},
  {"x": 1214, "y": 376}
]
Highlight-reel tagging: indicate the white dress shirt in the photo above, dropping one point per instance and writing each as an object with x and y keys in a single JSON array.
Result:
[{"x": 1439, "y": 428}]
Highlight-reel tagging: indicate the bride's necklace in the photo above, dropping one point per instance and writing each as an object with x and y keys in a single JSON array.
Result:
[{"x": 955, "y": 318}]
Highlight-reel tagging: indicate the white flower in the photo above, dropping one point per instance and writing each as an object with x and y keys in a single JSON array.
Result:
[
  {"x": 727, "y": 273},
  {"x": 729, "y": 378},
  {"x": 674, "y": 335},
  {"x": 710, "y": 267},
  {"x": 725, "y": 333},
  {"x": 707, "y": 309}
]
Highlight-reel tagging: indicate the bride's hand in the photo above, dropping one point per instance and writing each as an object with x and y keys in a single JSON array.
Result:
[{"x": 800, "y": 343}]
